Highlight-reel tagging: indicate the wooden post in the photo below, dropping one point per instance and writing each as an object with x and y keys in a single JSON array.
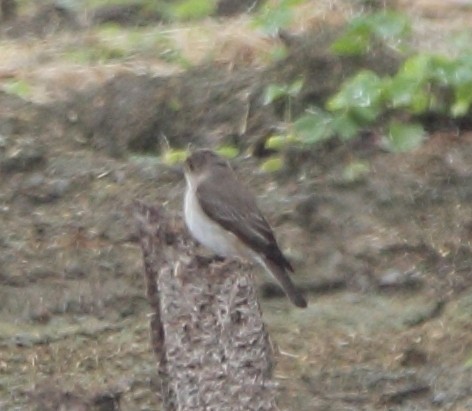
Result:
[{"x": 212, "y": 347}]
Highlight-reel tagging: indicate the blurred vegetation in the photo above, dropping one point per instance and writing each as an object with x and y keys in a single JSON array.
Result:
[
  {"x": 18, "y": 88},
  {"x": 110, "y": 42},
  {"x": 180, "y": 10},
  {"x": 396, "y": 107},
  {"x": 287, "y": 92},
  {"x": 275, "y": 15},
  {"x": 393, "y": 106}
]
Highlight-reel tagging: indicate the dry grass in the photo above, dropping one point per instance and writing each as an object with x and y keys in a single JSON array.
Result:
[{"x": 76, "y": 61}]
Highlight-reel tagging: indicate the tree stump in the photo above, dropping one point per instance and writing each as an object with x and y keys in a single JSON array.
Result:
[{"x": 207, "y": 332}]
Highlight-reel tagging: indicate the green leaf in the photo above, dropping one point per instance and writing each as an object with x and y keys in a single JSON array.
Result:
[
  {"x": 463, "y": 100},
  {"x": 294, "y": 89},
  {"x": 345, "y": 126},
  {"x": 355, "y": 40},
  {"x": 415, "y": 85},
  {"x": 172, "y": 157},
  {"x": 274, "y": 16},
  {"x": 468, "y": 363},
  {"x": 356, "y": 170},
  {"x": 272, "y": 164},
  {"x": 404, "y": 137},
  {"x": 278, "y": 52},
  {"x": 463, "y": 70},
  {"x": 410, "y": 88},
  {"x": 193, "y": 9},
  {"x": 276, "y": 142},
  {"x": 400, "y": 91},
  {"x": 275, "y": 19},
  {"x": 273, "y": 92},
  {"x": 360, "y": 97},
  {"x": 417, "y": 67},
  {"x": 19, "y": 88},
  {"x": 279, "y": 141},
  {"x": 314, "y": 126},
  {"x": 443, "y": 70},
  {"x": 364, "y": 90},
  {"x": 352, "y": 45},
  {"x": 388, "y": 24},
  {"x": 460, "y": 108},
  {"x": 228, "y": 151},
  {"x": 364, "y": 116},
  {"x": 291, "y": 3},
  {"x": 462, "y": 85},
  {"x": 421, "y": 102}
]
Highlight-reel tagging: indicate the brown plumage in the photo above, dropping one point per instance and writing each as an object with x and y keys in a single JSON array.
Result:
[{"x": 229, "y": 222}]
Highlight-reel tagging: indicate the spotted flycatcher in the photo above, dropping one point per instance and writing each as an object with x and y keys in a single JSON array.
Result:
[{"x": 223, "y": 216}]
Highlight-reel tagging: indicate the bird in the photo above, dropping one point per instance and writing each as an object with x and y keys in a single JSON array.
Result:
[{"x": 222, "y": 215}]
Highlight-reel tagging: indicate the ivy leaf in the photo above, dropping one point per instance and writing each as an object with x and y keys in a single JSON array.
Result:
[
  {"x": 193, "y": 9},
  {"x": 273, "y": 92},
  {"x": 400, "y": 91},
  {"x": 345, "y": 126},
  {"x": 360, "y": 98},
  {"x": 271, "y": 18},
  {"x": 409, "y": 93},
  {"x": 314, "y": 126},
  {"x": 277, "y": 142},
  {"x": 460, "y": 108},
  {"x": 463, "y": 100},
  {"x": 356, "y": 39},
  {"x": 294, "y": 89},
  {"x": 363, "y": 90},
  {"x": 462, "y": 84},
  {"x": 272, "y": 164},
  {"x": 404, "y": 137},
  {"x": 417, "y": 67},
  {"x": 356, "y": 171},
  {"x": 463, "y": 70},
  {"x": 389, "y": 24},
  {"x": 443, "y": 70},
  {"x": 172, "y": 157},
  {"x": 365, "y": 115},
  {"x": 228, "y": 151},
  {"x": 19, "y": 88}
]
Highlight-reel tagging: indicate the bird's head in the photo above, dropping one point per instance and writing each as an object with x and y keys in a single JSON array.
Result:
[{"x": 201, "y": 161}]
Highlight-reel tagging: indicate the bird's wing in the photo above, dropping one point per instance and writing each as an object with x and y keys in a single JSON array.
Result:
[{"x": 233, "y": 207}]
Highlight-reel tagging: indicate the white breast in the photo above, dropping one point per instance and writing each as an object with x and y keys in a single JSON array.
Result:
[{"x": 208, "y": 232}]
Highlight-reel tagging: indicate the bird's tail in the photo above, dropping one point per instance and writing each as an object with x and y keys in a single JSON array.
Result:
[{"x": 281, "y": 275}]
